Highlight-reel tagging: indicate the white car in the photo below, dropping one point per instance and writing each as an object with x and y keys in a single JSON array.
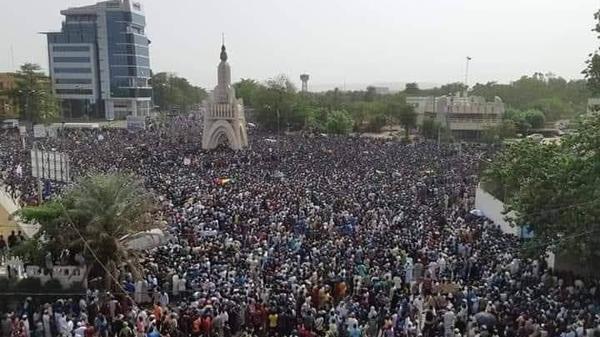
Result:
[{"x": 536, "y": 137}]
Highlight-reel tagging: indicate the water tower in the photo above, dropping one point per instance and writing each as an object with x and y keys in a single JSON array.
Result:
[{"x": 304, "y": 78}]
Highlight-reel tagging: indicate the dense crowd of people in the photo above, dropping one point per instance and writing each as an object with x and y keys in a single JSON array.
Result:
[{"x": 308, "y": 236}]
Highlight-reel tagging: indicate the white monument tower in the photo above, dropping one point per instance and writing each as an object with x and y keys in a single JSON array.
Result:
[{"x": 224, "y": 120}]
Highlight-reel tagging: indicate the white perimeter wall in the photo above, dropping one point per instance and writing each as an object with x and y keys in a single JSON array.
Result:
[{"x": 493, "y": 208}]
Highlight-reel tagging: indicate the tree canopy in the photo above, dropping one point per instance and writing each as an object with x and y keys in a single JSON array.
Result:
[
  {"x": 33, "y": 95},
  {"x": 554, "y": 189},
  {"x": 554, "y": 96},
  {"x": 175, "y": 93},
  {"x": 592, "y": 69},
  {"x": 278, "y": 107}
]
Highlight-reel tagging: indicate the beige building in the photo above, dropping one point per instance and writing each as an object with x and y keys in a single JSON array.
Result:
[
  {"x": 7, "y": 107},
  {"x": 460, "y": 113}
]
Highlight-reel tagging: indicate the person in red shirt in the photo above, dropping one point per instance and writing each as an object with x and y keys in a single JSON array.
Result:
[
  {"x": 197, "y": 327},
  {"x": 304, "y": 332},
  {"x": 90, "y": 331},
  {"x": 206, "y": 326}
]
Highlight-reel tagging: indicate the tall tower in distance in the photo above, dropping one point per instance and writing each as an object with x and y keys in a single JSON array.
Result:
[{"x": 304, "y": 78}]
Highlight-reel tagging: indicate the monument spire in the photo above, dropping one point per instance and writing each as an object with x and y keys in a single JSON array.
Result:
[
  {"x": 223, "y": 51},
  {"x": 224, "y": 116}
]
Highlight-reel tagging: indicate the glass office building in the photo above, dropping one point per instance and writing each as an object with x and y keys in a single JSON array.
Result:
[{"x": 99, "y": 61}]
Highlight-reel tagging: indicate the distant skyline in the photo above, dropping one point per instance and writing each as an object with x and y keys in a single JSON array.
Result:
[{"x": 339, "y": 41}]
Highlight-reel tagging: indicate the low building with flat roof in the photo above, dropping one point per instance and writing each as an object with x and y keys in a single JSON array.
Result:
[{"x": 462, "y": 114}]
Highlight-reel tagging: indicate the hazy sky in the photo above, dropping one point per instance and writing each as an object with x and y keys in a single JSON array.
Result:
[{"x": 337, "y": 41}]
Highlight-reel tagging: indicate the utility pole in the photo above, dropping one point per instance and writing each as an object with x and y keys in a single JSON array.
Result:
[
  {"x": 39, "y": 179},
  {"x": 12, "y": 57},
  {"x": 467, "y": 75}
]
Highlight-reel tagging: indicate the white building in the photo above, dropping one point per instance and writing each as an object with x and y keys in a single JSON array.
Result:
[{"x": 460, "y": 113}]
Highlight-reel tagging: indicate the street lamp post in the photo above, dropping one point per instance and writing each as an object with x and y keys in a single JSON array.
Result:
[{"x": 467, "y": 74}]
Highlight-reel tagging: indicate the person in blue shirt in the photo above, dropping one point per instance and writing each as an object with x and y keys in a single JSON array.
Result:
[
  {"x": 153, "y": 333},
  {"x": 354, "y": 331}
]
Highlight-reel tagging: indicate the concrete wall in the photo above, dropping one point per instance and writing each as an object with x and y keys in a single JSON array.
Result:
[
  {"x": 11, "y": 206},
  {"x": 7, "y": 202},
  {"x": 493, "y": 209},
  {"x": 66, "y": 275}
]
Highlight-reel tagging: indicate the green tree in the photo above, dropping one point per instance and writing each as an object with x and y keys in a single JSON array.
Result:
[
  {"x": 94, "y": 217},
  {"x": 339, "y": 122},
  {"x": 275, "y": 102},
  {"x": 592, "y": 70},
  {"x": 412, "y": 88},
  {"x": 370, "y": 94},
  {"x": 525, "y": 120},
  {"x": 316, "y": 119},
  {"x": 535, "y": 118},
  {"x": 33, "y": 95},
  {"x": 247, "y": 89},
  {"x": 429, "y": 128},
  {"x": 553, "y": 188},
  {"x": 505, "y": 129},
  {"x": 407, "y": 117},
  {"x": 171, "y": 92}
]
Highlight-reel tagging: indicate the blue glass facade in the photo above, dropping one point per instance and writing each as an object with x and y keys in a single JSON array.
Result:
[
  {"x": 74, "y": 32},
  {"x": 127, "y": 53},
  {"x": 100, "y": 60}
]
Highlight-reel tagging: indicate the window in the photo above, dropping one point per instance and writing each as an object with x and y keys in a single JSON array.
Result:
[
  {"x": 137, "y": 39},
  {"x": 74, "y": 91},
  {"x": 129, "y": 71},
  {"x": 71, "y": 59},
  {"x": 120, "y": 92},
  {"x": 73, "y": 70},
  {"x": 130, "y": 60},
  {"x": 71, "y": 48},
  {"x": 73, "y": 81}
]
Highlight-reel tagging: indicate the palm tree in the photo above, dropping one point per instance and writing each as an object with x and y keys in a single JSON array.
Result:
[{"x": 95, "y": 216}]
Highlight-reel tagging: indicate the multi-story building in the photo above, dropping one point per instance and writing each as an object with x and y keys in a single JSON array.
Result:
[
  {"x": 462, "y": 114},
  {"x": 99, "y": 61},
  {"x": 7, "y": 107}
]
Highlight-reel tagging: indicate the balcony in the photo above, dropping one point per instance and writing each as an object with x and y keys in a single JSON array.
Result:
[{"x": 221, "y": 111}]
